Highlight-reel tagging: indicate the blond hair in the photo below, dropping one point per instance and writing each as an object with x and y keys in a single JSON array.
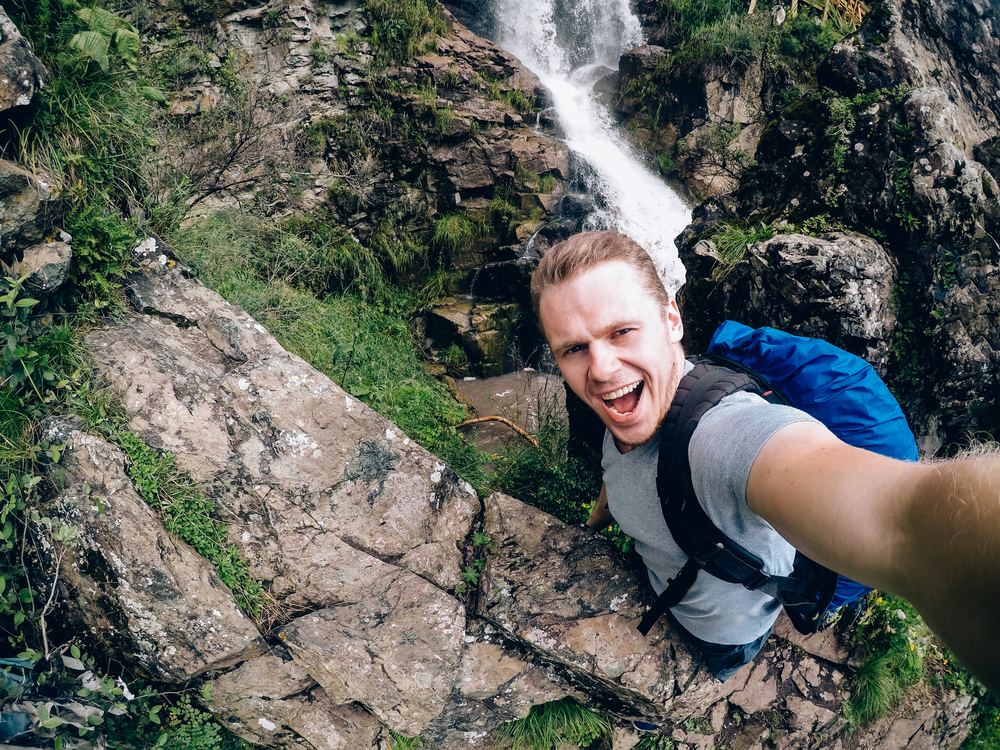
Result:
[{"x": 587, "y": 250}]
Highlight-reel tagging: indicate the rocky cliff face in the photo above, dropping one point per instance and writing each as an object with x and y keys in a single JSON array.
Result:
[
  {"x": 382, "y": 153},
  {"x": 901, "y": 151}
]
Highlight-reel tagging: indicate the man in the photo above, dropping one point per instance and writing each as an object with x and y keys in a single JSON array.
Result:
[{"x": 929, "y": 532}]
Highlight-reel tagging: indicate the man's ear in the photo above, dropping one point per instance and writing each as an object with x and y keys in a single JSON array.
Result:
[{"x": 675, "y": 326}]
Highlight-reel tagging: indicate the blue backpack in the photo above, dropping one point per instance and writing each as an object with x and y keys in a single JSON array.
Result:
[{"x": 839, "y": 389}]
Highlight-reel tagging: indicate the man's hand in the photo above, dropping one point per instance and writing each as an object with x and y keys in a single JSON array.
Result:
[{"x": 600, "y": 516}]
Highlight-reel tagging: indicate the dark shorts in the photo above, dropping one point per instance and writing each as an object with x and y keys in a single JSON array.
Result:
[{"x": 724, "y": 661}]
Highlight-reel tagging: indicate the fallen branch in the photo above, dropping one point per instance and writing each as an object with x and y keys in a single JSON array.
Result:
[{"x": 505, "y": 421}]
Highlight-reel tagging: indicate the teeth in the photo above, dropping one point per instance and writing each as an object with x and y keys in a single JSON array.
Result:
[{"x": 621, "y": 391}]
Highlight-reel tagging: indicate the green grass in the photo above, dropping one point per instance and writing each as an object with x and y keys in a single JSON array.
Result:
[
  {"x": 549, "y": 724},
  {"x": 453, "y": 233},
  {"x": 731, "y": 243},
  {"x": 545, "y": 477},
  {"x": 187, "y": 513},
  {"x": 895, "y": 641},
  {"x": 384, "y": 370},
  {"x": 402, "y": 29}
]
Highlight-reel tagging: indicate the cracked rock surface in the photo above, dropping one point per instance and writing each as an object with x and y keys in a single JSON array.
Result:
[{"x": 359, "y": 536}]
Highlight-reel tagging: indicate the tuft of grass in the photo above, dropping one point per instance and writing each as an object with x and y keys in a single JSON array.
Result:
[
  {"x": 453, "y": 233},
  {"x": 443, "y": 118},
  {"x": 548, "y": 725},
  {"x": 731, "y": 243},
  {"x": 895, "y": 640},
  {"x": 655, "y": 742}
]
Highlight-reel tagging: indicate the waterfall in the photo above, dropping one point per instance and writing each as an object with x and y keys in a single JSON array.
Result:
[{"x": 569, "y": 45}]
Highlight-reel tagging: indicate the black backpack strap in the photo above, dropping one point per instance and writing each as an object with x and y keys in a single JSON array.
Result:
[{"x": 693, "y": 531}]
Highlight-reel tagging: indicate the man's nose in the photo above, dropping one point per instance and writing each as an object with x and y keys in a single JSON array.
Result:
[{"x": 604, "y": 362}]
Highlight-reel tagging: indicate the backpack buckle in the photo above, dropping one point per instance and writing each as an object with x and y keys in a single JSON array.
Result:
[
  {"x": 702, "y": 557},
  {"x": 758, "y": 579}
]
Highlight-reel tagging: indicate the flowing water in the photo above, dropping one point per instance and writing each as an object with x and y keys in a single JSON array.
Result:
[{"x": 569, "y": 45}]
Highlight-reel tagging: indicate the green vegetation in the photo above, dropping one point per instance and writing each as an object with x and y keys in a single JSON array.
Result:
[
  {"x": 655, "y": 742},
  {"x": 453, "y": 233},
  {"x": 731, "y": 243},
  {"x": 549, "y": 724},
  {"x": 513, "y": 98},
  {"x": 895, "y": 642},
  {"x": 481, "y": 544},
  {"x": 701, "y": 31},
  {"x": 188, "y": 514},
  {"x": 545, "y": 478},
  {"x": 399, "y": 742},
  {"x": 402, "y": 29}
]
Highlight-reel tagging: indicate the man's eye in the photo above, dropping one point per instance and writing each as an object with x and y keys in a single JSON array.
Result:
[
  {"x": 575, "y": 349},
  {"x": 622, "y": 332}
]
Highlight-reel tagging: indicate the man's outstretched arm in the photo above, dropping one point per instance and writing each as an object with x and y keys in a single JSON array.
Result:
[{"x": 929, "y": 532}]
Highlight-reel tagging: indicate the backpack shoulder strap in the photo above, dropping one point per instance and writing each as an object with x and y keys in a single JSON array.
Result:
[{"x": 692, "y": 530}]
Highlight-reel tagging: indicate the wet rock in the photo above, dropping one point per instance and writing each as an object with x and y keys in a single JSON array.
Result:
[{"x": 484, "y": 330}]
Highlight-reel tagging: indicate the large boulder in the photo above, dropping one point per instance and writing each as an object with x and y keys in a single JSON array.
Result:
[
  {"x": 144, "y": 595},
  {"x": 836, "y": 287},
  {"x": 358, "y": 536}
]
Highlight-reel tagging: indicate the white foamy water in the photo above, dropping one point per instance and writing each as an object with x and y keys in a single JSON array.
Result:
[{"x": 569, "y": 46}]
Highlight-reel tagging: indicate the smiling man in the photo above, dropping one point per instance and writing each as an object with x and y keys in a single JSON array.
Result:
[{"x": 769, "y": 476}]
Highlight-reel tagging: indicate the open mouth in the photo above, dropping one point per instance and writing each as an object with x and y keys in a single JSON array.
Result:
[{"x": 625, "y": 399}]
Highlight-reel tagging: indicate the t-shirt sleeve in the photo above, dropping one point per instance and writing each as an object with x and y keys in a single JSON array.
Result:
[{"x": 728, "y": 439}]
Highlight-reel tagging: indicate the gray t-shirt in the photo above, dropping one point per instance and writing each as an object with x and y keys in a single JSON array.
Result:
[{"x": 721, "y": 452}]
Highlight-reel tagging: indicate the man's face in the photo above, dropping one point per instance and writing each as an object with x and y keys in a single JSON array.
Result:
[{"x": 616, "y": 347}]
